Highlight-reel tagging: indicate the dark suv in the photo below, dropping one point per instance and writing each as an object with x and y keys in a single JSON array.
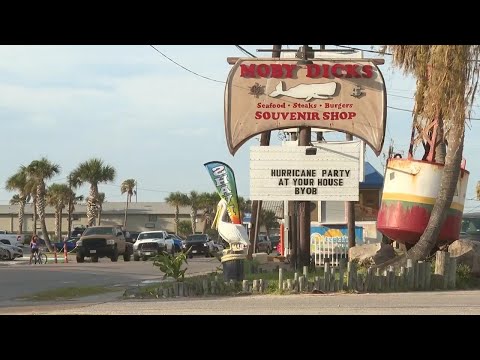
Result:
[
  {"x": 199, "y": 244},
  {"x": 263, "y": 244},
  {"x": 470, "y": 227}
]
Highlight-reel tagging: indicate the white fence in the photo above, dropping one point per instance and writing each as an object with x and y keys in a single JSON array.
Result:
[{"x": 329, "y": 250}]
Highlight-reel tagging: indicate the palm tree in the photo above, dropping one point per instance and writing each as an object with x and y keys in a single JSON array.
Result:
[
  {"x": 177, "y": 199},
  {"x": 184, "y": 228},
  {"x": 58, "y": 196},
  {"x": 208, "y": 202},
  {"x": 39, "y": 171},
  {"x": 447, "y": 80},
  {"x": 194, "y": 200},
  {"x": 101, "y": 200},
  {"x": 31, "y": 188},
  {"x": 73, "y": 200},
  {"x": 18, "y": 182},
  {"x": 128, "y": 187},
  {"x": 245, "y": 206},
  {"x": 93, "y": 171},
  {"x": 268, "y": 219}
]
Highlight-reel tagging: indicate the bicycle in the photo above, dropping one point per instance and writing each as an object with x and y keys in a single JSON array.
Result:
[{"x": 39, "y": 257}]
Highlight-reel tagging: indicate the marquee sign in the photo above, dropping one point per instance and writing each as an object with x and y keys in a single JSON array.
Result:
[
  {"x": 279, "y": 173},
  {"x": 270, "y": 94}
]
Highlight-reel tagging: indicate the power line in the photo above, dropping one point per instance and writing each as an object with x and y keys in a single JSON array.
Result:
[
  {"x": 184, "y": 68},
  {"x": 153, "y": 190},
  {"x": 223, "y": 82},
  {"x": 379, "y": 52},
  {"x": 395, "y": 108},
  {"x": 471, "y": 210},
  {"x": 358, "y": 49},
  {"x": 245, "y": 51},
  {"x": 411, "y": 98}
]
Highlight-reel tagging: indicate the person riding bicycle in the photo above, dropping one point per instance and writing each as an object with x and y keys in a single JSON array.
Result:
[{"x": 34, "y": 245}]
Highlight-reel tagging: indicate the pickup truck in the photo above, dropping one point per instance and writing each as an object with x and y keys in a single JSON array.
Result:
[
  {"x": 103, "y": 241},
  {"x": 13, "y": 239},
  {"x": 151, "y": 243}
]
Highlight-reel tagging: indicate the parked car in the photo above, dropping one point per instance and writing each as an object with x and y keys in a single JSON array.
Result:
[
  {"x": 151, "y": 243},
  {"x": 13, "y": 239},
  {"x": 11, "y": 252},
  {"x": 470, "y": 227},
  {"x": 275, "y": 240},
  {"x": 177, "y": 241},
  {"x": 218, "y": 245},
  {"x": 263, "y": 244},
  {"x": 71, "y": 244},
  {"x": 199, "y": 244},
  {"x": 131, "y": 236},
  {"x": 103, "y": 241},
  {"x": 77, "y": 231}
]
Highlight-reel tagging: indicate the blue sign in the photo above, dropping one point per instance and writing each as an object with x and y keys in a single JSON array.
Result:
[{"x": 338, "y": 234}]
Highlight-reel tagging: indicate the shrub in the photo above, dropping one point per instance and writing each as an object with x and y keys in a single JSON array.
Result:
[
  {"x": 464, "y": 276},
  {"x": 171, "y": 264}
]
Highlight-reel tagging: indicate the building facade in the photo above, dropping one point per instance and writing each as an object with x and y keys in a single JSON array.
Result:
[{"x": 142, "y": 216}]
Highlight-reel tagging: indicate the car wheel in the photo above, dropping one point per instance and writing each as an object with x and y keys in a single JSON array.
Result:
[
  {"x": 144, "y": 258},
  {"x": 94, "y": 259},
  {"x": 126, "y": 256},
  {"x": 80, "y": 258},
  {"x": 136, "y": 257},
  {"x": 177, "y": 248},
  {"x": 114, "y": 257},
  {"x": 268, "y": 251}
]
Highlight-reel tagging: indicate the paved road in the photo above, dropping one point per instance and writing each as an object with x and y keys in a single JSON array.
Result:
[
  {"x": 21, "y": 279},
  {"x": 428, "y": 303}
]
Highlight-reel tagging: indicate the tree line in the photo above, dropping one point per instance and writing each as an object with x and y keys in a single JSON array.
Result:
[
  {"x": 207, "y": 204},
  {"x": 29, "y": 185}
]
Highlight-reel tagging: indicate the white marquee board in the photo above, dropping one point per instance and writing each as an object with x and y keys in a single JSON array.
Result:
[{"x": 279, "y": 173}]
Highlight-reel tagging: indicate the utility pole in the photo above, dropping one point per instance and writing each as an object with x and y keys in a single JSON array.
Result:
[
  {"x": 293, "y": 226},
  {"x": 136, "y": 191},
  {"x": 257, "y": 204},
  {"x": 70, "y": 205},
  {"x": 304, "y": 206},
  {"x": 351, "y": 215}
]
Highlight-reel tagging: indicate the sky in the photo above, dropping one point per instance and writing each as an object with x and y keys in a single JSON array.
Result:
[{"x": 149, "y": 118}]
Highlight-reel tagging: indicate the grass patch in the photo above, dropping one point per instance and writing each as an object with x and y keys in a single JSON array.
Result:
[{"x": 69, "y": 293}]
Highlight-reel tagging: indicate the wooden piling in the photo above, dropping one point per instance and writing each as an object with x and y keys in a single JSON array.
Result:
[
  {"x": 280, "y": 279},
  {"x": 341, "y": 272},
  {"x": 428, "y": 276},
  {"x": 289, "y": 284},
  {"x": 441, "y": 267},
  {"x": 205, "y": 287},
  {"x": 410, "y": 275},
  {"x": 369, "y": 280},
  {"x": 301, "y": 283},
  {"x": 378, "y": 280},
  {"x": 245, "y": 286},
  {"x": 327, "y": 275},
  {"x": 452, "y": 273}
]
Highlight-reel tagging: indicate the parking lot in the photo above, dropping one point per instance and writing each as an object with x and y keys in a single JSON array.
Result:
[{"x": 18, "y": 278}]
